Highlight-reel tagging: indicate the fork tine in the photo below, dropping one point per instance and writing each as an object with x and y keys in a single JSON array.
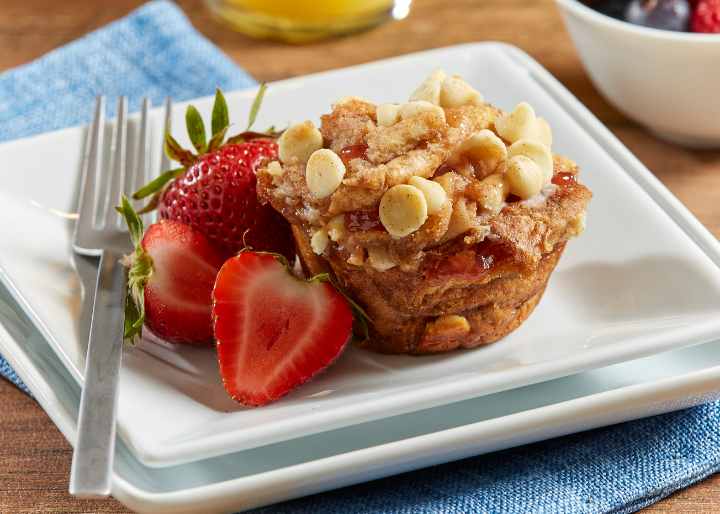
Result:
[
  {"x": 141, "y": 162},
  {"x": 138, "y": 175},
  {"x": 116, "y": 177},
  {"x": 165, "y": 160},
  {"x": 86, "y": 202}
]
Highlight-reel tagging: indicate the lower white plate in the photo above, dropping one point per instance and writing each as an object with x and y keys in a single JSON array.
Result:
[
  {"x": 643, "y": 278},
  {"x": 367, "y": 451}
]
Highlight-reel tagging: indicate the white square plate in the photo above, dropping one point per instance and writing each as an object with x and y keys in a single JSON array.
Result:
[
  {"x": 634, "y": 284},
  {"x": 336, "y": 458}
]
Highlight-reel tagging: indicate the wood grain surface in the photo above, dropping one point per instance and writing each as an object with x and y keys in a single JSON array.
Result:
[{"x": 35, "y": 458}]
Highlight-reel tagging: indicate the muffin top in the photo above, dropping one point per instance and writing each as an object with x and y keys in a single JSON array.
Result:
[{"x": 442, "y": 176}]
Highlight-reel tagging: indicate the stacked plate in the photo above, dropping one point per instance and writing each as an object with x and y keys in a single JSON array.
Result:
[{"x": 627, "y": 327}]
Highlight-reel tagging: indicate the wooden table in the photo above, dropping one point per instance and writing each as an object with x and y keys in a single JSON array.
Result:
[{"x": 35, "y": 458}]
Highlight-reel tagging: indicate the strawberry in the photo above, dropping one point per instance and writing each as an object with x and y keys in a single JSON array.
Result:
[
  {"x": 274, "y": 332},
  {"x": 215, "y": 190},
  {"x": 171, "y": 278}
]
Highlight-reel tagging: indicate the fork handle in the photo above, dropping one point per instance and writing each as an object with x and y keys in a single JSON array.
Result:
[{"x": 92, "y": 463}]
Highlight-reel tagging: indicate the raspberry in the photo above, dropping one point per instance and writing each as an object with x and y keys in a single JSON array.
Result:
[{"x": 706, "y": 17}]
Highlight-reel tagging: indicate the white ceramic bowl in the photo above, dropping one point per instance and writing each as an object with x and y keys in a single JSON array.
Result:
[{"x": 667, "y": 81}]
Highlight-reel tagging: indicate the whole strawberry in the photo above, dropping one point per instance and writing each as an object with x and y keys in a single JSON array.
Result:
[
  {"x": 171, "y": 280},
  {"x": 215, "y": 190}
]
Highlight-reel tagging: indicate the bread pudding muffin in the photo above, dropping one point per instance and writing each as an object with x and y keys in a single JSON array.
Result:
[{"x": 443, "y": 217}]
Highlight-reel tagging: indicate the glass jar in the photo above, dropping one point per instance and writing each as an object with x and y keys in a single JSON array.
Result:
[{"x": 302, "y": 21}]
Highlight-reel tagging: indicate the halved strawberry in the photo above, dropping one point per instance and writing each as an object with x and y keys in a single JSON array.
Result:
[
  {"x": 171, "y": 279},
  {"x": 274, "y": 332}
]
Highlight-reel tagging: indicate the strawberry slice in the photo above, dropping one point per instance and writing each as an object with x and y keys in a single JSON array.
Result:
[
  {"x": 171, "y": 279},
  {"x": 274, "y": 332}
]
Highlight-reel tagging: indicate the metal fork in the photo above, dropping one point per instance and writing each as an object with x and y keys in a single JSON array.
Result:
[
  {"x": 86, "y": 267},
  {"x": 100, "y": 233}
]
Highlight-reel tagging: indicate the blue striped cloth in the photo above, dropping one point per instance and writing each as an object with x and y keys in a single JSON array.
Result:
[{"x": 156, "y": 52}]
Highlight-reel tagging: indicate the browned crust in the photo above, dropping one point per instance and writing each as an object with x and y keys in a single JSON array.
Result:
[{"x": 402, "y": 304}]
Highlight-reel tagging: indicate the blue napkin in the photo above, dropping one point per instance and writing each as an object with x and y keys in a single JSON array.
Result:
[
  {"x": 152, "y": 52},
  {"x": 156, "y": 52}
]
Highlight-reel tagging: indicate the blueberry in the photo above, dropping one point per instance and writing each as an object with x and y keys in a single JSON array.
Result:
[
  {"x": 613, "y": 8},
  {"x": 659, "y": 14}
]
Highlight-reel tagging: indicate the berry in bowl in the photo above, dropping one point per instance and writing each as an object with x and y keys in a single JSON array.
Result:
[
  {"x": 701, "y": 16},
  {"x": 648, "y": 68}
]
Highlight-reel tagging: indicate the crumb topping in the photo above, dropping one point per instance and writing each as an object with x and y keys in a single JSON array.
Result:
[{"x": 444, "y": 171}]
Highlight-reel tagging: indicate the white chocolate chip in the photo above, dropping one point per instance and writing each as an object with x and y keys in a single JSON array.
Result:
[
  {"x": 429, "y": 91},
  {"x": 348, "y": 98},
  {"x": 455, "y": 91},
  {"x": 524, "y": 176},
  {"x": 319, "y": 241},
  {"x": 275, "y": 169},
  {"x": 299, "y": 141},
  {"x": 519, "y": 124},
  {"x": 324, "y": 173},
  {"x": 492, "y": 199},
  {"x": 483, "y": 150},
  {"x": 536, "y": 151},
  {"x": 447, "y": 326},
  {"x": 336, "y": 227},
  {"x": 379, "y": 260},
  {"x": 544, "y": 133},
  {"x": 414, "y": 108},
  {"x": 434, "y": 194},
  {"x": 388, "y": 115},
  {"x": 403, "y": 210}
]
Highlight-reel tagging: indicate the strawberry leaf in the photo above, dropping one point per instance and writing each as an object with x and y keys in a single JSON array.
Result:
[
  {"x": 155, "y": 200},
  {"x": 217, "y": 140},
  {"x": 196, "y": 129},
  {"x": 249, "y": 135},
  {"x": 256, "y": 105},
  {"x": 135, "y": 225},
  {"x": 134, "y": 319},
  {"x": 140, "y": 268},
  {"x": 220, "y": 117},
  {"x": 177, "y": 152},
  {"x": 157, "y": 184}
]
